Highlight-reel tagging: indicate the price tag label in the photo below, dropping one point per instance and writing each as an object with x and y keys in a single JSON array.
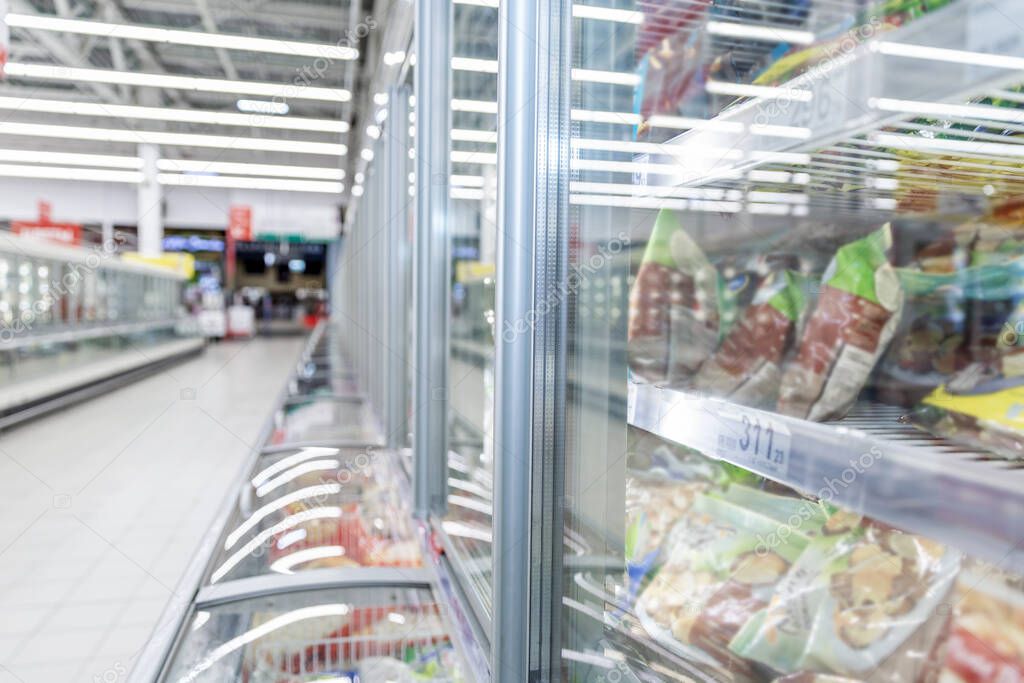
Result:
[{"x": 754, "y": 440}]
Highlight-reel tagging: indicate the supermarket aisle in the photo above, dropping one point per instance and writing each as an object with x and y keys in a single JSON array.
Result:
[{"x": 105, "y": 503}]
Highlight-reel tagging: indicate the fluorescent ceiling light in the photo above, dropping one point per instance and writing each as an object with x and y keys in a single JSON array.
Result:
[
  {"x": 917, "y": 143},
  {"x": 367, "y": 154},
  {"x": 214, "y": 85},
  {"x": 307, "y": 453},
  {"x": 466, "y": 193},
  {"x": 360, "y": 177},
  {"x": 763, "y": 91},
  {"x": 477, "y": 106},
  {"x": 622, "y": 16},
  {"x": 463, "y": 157},
  {"x": 656, "y": 148},
  {"x": 357, "y": 190},
  {"x": 373, "y": 131},
  {"x": 942, "y": 54},
  {"x": 485, "y": 66},
  {"x": 64, "y": 173},
  {"x": 777, "y": 131},
  {"x": 939, "y": 109},
  {"x": 168, "y": 114},
  {"x": 180, "y": 37},
  {"x": 380, "y": 98},
  {"x": 615, "y": 117},
  {"x": 263, "y": 107},
  {"x": 608, "y": 77},
  {"x": 319, "y": 491},
  {"x": 467, "y": 135},
  {"x": 173, "y": 139},
  {"x": 733, "y": 29},
  {"x": 464, "y": 180},
  {"x": 228, "y": 167},
  {"x": 70, "y": 158},
  {"x": 247, "y": 183}
]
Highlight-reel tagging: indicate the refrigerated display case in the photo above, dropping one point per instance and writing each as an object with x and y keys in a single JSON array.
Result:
[
  {"x": 76, "y": 322},
  {"x": 792, "y": 225}
]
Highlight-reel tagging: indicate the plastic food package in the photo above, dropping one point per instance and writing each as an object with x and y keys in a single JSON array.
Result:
[
  {"x": 673, "y": 313},
  {"x": 725, "y": 557},
  {"x": 747, "y": 368},
  {"x": 980, "y": 407},
  {"x": 861, "y": 602},
  {"x": 986, "y": 640},
  {"x": 857, "y": 312}
]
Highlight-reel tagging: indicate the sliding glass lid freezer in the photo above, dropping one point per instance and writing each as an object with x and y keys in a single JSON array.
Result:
[
  {"x": 317, "y": 508},
  {"x": 796, "y": 235},
  {"x": 324, "y": 420},
  {"x": 365, "y": 635}
]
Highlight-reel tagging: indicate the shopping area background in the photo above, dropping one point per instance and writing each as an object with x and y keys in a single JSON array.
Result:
[{"x": 370, "y": 341}]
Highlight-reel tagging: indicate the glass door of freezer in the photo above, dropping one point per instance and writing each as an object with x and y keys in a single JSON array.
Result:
[{"x": 796, "y": 245}]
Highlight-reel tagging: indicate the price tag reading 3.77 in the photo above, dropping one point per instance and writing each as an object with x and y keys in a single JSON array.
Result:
[{"x": 755, "y": 441}]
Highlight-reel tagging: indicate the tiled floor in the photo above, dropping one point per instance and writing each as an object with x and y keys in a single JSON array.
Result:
[{"x": 104, "y": 503}]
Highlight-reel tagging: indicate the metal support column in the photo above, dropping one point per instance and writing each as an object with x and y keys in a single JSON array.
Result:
[
  {"x": 430, "y": 432},
  {"x": 532, "y": 288},
  {"x": 396, "y": 164}
]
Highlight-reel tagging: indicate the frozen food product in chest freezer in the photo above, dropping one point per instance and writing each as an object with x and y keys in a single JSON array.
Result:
[
  {"x": 856, "y": 314},
  {"x": 747, "y": 368}
]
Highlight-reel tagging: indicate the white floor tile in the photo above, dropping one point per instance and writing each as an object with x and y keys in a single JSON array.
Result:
[{"x": 108, "y": 501}]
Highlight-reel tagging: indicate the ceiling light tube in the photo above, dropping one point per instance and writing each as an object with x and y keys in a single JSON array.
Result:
[
  {"x": 916, "y": 143},
  {"x": 216, "y": 118},
  {"x": 622, "y": 16},
  {"x": 65, "y": 173},
  {"x": 179, "y": 37},
  {"x": 276, "y": 170},
  {"x": 939, "y": 109},
  {"x": 942, "y": 54},
  {"x": 484, "y": 66},
  {"x": 762, "y": 91},
  {"x": 248, "y": 183},
  {"x": 607, "y": 77},
  {"x": 70, "y": 158},
  {"x": 463, "y": 157},
  {"x": 477, "y": 106},
  {"x": 467, "y": 135},
  {"x": 732, "y": 29},
  {"x": 147, "y": 80},
  {"x": 173, "y": 139},
  {"x": 466, "y": 193}
]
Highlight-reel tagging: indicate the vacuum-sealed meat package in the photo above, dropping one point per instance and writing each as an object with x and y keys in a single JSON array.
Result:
[
  {"x": 856, "y": 314},
  {"x": 857, "y": 603},
  {"x": 747, "y": 368},
  {"x": 673, "y": 311}
]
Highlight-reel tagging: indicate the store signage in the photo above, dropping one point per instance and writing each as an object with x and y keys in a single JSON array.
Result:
[
  {"x": 240, "y": 222},
  {"x": 45, "y": 228}
]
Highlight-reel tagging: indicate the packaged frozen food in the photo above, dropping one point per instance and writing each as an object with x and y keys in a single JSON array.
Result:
[
  {"x": 673, "y": 313},
  {"x": 859, "y": 602},
  {"x": 725, "y": 557},
  {"x": 986, "y": 640},
  {"x": 980, "y": 407},
  {"x": 856, "y": 314},
  {"x": 747, "y": 368}
]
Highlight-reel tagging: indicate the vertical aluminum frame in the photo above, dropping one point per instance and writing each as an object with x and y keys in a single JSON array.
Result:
[
  {"x": 431, "y": 270},
  {"x": 532, "y": 276},
  {"x": 396, "y": 150}
]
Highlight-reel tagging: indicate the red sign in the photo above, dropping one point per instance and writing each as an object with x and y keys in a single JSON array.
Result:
[
  {"x": 240, "y": 223},
  {"x": 45, "y": 228}
]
